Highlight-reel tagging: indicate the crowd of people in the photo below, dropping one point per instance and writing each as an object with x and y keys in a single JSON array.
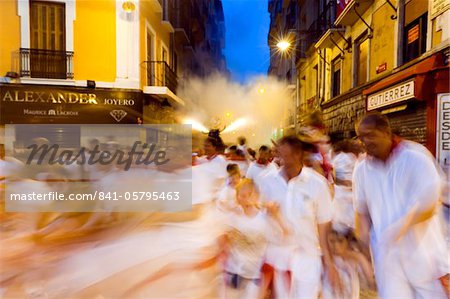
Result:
[{"x": 298, "y": 218}]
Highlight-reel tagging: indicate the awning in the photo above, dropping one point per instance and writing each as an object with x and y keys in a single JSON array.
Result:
[
  {"x": 419, "y": 74},
  {"x": 164, "y": 92},
  {"x": 349, "y": 16}
]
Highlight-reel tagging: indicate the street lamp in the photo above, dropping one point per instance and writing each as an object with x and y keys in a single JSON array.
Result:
[{"x": 283, "y": 45}]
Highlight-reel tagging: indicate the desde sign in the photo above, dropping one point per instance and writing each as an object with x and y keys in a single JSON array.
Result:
[
  {"x": 443, "y": 130},
  {"x": 22, "y": 104},
  {"x": 396, "y": 94}
]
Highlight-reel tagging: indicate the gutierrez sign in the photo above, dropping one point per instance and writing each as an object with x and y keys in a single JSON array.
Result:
[{"x": 392, "y": 95}]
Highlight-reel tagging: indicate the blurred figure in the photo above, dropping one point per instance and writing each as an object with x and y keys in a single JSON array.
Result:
[
  {"x": 252, "y": 154},
  {"x": 397, "y": 189},
  {"x": 227, "y": 195},
  {"x": 212, "y": 152},
  {"x": 247, "y": 232},
  {"x": 354, "y": 269},
  {"x": 305, "y": 203},
  {"x": 314, "y": 132},
  {"x": 237, "y": 156},
  {"x": 262, "y": 165},
  {"x": 242, "y": 144},
  {"x": 343, "y": 165}
]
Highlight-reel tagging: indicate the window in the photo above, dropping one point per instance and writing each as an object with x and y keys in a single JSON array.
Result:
[
  {"x": 165, "y": 55},
  {"x": 415, "y": 39},
  {"x": 360, "y": 60},
  {"x": 415, "y": 29},
  {"x": 48, "y": 25},
  {"x": 47, "y": 55},
  {"x": 175, "y": 63},
  {"x": 316, "y": 79},
  {"x": 303, "y": 92},
  {"x": 150, "y": 43},
  {"x": 336, "y": 66}
]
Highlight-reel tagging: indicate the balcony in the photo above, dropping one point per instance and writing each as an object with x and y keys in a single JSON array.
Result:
[
  {"x": 349, "y": 13},
  {"x": 49, "y": 64},
  {"x": 162, "y": 82},
  {"x": 168, "y": 14}
]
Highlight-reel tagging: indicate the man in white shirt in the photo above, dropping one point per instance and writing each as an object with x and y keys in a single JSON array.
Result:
[
  {"x": 305, "y": 204},
  {"x": 262, "y": 165},
  {"x": 396, "y": 192}
]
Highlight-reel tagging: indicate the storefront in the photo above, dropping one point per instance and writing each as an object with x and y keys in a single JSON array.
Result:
[
  {"x": 62, "y": 107},
  {"x": 38, "y": 104},
  {"x": 409, "y": 98},
  {"x": 341, "y": 114}
]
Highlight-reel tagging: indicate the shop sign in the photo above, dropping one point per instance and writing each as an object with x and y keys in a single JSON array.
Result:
[
  {"x": 438, "y": 7},
  {"x": 341, "y": 5},
  {"x": 413, "y": 34},
  {"x": 396, "y": 94},
  {"x": 443, "y": 131},
  {"x": 381, "y": 68},
  {"x": 22, "y": 104}
]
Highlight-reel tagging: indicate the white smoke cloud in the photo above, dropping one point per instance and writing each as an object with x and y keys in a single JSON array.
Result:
[{"x": 258, "y": 106}]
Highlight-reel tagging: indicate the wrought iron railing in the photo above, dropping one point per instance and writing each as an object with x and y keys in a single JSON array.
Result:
[
  {"x": 40, "y": 63},
  {"x": 159, "y": 73}
]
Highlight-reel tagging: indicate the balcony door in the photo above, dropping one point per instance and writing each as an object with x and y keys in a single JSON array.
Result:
[{"x": 48, "y": 40}]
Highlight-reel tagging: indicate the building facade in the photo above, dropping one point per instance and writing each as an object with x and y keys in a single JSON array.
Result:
[
  {"x": 362, "y": 55},
  {"x": 121, "y": 58}
]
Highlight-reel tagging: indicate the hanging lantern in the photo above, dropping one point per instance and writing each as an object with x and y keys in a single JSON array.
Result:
[{"x": 128, "y": 6}]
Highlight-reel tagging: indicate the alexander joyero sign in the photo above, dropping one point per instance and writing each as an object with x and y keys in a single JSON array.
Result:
[{"x": 23, "y": 104}]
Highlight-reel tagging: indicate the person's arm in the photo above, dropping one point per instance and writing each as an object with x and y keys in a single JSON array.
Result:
[
  {"x": 324, "y": 217},
  {"x": 424, "y": 189},
  {"x": 362, "y": 231},
  {"x": 327, "y": 260},
  {"x": 363, "y": 222},
  {"x": 366, "y": 268},
  {"x": 273, "y": 210}
]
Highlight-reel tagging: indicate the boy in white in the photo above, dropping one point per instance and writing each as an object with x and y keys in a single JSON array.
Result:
[
  {"x": 396, "y": 190},
  {"x": 305, "y": 203},
  {"x": 262, "y": 165},
  {"x": 248, "y": 225}
]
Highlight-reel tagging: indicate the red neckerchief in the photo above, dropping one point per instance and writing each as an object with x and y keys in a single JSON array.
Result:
[
  {"x": 395, "y": 143},
  {"x": 260, "y": 163}
]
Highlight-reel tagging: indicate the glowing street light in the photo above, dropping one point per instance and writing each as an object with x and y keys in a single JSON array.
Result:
[
  {"x": 261, "y": 90},
  {"x": 283, "y": 45}
]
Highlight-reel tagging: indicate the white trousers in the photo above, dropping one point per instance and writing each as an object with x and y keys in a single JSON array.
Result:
[
  {"x": 306, "y": 276},
  {"x": 397, "y": 277}
]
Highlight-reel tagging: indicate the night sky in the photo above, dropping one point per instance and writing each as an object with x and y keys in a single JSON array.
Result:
[{"x": 247, "y": 26}]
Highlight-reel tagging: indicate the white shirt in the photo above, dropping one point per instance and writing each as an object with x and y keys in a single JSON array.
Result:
[
  {"x": 305, "y": 202},
  {"x": 308, "y": 205},
  {"x": 208, "y": 178},
  {"x": 343, "y": 164},
  {"x": 388, "y": 191},
  {"x": 255, "y": 170},
  {"x": 248, "y": 244},
  {"x": 243, "y": 165}
]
